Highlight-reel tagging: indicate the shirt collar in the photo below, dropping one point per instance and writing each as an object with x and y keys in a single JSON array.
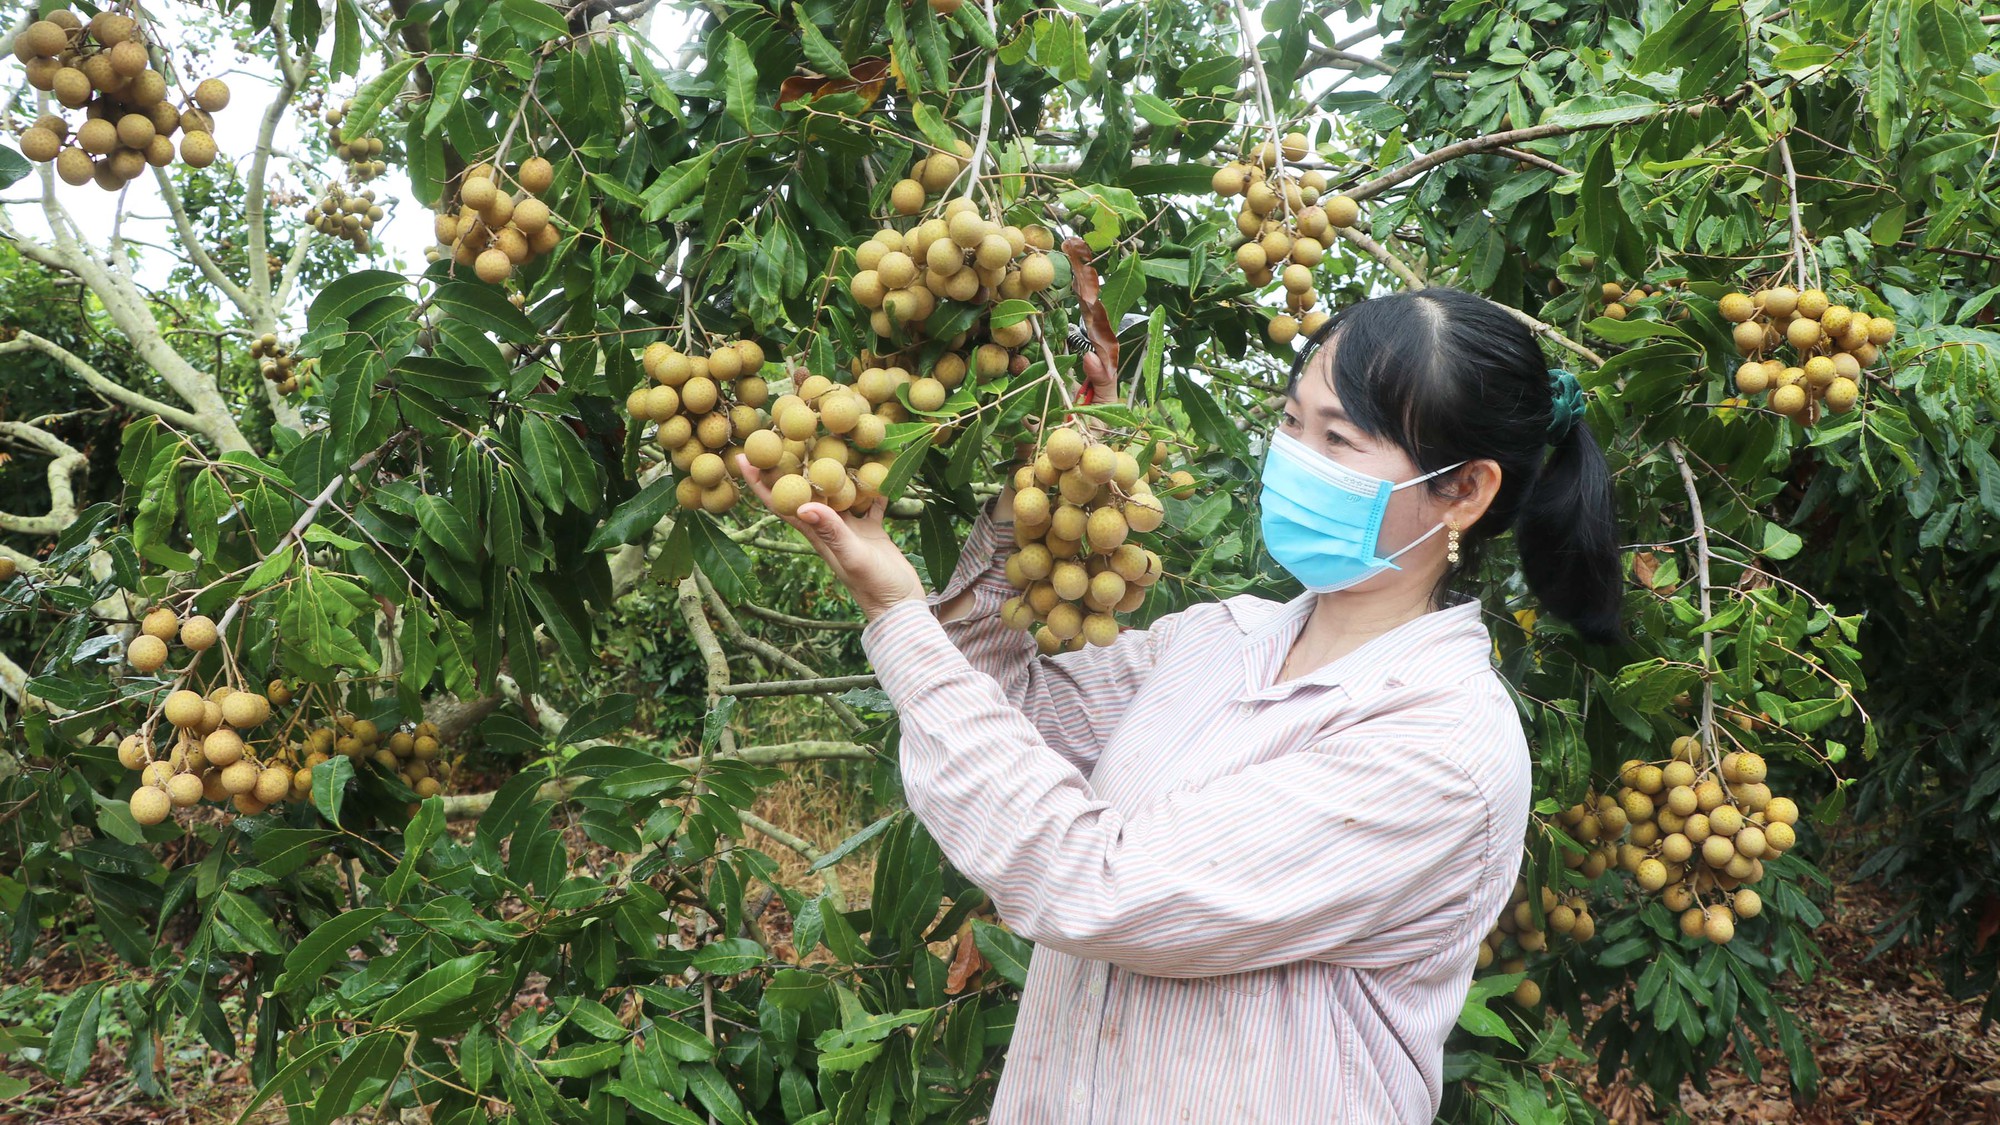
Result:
[{"x": 1438, "y": 647}]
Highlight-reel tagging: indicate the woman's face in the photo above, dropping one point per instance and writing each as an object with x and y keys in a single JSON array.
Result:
[{"x": 1314, "y": 416}]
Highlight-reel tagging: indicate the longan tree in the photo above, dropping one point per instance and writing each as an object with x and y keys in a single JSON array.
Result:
[{"x": 868, "y": 246}]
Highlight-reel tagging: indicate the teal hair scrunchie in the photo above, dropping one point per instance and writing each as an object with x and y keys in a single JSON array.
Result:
[{"x": 1568, "y": 406}]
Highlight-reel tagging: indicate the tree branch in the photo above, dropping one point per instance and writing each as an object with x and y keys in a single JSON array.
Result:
[
  {"x": 67, "y": 461},
  {"x": 97, "y": 381},
  {"x": 802, "y": 846},
  {"x": 1469, "y": 146},
  {"x": 292, "y": 73},
  {"x": 770, "y": 652},
  {"x": 776, "y": 618},
  {"x": 1701, "y": 578},
  {"x": 1381, "y": 254},
  {"x": 191, "y": 243},
  {"x": 1792, "y": 205},
  {"x": 800, "y": 687},
  {"x": 1526, "y": 157},
  {"x": 688, "y": 597}
]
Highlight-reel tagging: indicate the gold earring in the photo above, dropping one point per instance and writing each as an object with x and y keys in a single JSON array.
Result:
[{"x": 1451, "y": 544}]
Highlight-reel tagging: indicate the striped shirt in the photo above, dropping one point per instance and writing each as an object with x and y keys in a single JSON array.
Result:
[{"x": 1252, "y": 901}]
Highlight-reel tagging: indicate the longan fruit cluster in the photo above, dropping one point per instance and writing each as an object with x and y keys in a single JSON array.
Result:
[
  {"x": 1831, "y": 346},
  {"x": 931, "y": 175},
  {"x": 413, "y": 752},
  {"x": 706, "y": 407},
  {"x": 825, "y": 441},
  {"x": 1697, "y": 833},
  {"x": 276, "y": 362},
  {"x": 1076, "y": 506},
  {"x": 1618, "y": 298},
  {"x": 344, "y": 214},
  {"x": 1285, "y": 228},
  {"x": 901, "y": 276},
  {"x": 104, "y": 69},
  {"x": 494, "y": 230},
  {"x": 211, "y": 757},
  {"x": 1514, "y": 935},
  {"x": 359, "y": 152},
  {"x": 162, "y": 628}
]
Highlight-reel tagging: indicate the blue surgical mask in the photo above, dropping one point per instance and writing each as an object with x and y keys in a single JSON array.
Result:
[{"x": 1322, "y": 520}]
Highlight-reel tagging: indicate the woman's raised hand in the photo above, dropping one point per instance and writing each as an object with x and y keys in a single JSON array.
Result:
[{"x": 860, "y": 552}]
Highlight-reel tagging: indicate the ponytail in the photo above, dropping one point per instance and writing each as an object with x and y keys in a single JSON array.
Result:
[{"x": 1566, "y": 536}]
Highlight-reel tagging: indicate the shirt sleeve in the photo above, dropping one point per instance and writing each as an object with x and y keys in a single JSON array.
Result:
[
  {"x": 1074, "y": 699},
  {"x": 1365, "y": 849}
]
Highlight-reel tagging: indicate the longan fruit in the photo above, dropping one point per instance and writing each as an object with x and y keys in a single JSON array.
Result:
[
  {"x": 274, "y": 784},
  {"x": 536, "y": 174},
  {"x": 150, "y": 805},
  {"x": 927, "y": 394},
  {"x": 1294, "y": 146},
  {"x": 1803, "y": 332},
  {"x": 197, "y": 149},
  {"x": 97, "y": 137},
  {"x": 907, "y": 197},
  {"x": 146, "y": 653},
  {"x": 1750, "y": 842},
  {"x": 40, "y": 145},
  {"x": 1736, "y": 307},
  {"x": 245, "y": 709},
  {"x": 1812, "y": 304},
  {"x": 1743, "y": 766},
  {"x": 1881, "y": 330},
  {"x": 1106, "y": 529},
  {"x": 1779, "y": 837},
  {"x": 493, "y": 266},
  {"x": 43, "y": 39},
  {"x": 222, "y": 746},
  {"x": 1725, "y": 820},
  {"x": 135, "y": 130},
  {"x": 160, "y": 150},
  {"x": 1065, "y": 449},
  {"x": 1789, "y": 401},
  {"x": 1717, "y": 926}
]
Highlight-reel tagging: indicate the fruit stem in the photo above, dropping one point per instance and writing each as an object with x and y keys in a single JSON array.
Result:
[
  {"x": 1792, "y": 203},
  {"x": 1701, "y": 579},
  {"x": 1263, "y": 95}
]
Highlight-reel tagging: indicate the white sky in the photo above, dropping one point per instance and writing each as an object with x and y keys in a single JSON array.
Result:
[{"x": 403, "y": 235}]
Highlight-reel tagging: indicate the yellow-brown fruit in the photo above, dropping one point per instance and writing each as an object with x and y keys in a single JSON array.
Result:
[
  {"x": 1230, "y": 179},
  {"x": 198, "y": 633},
  {"x": 1143, "y": 512},
  {"x": 707, "y": 470},
  {"x": 1749, "y": 337},
  {"x": 97, "y": 136},
  {"x": 42, "y": 38},
  {"x": 1065, "y": 449},
  {"x": 1098, "y": 463},
  {"x": 1789, "y": 401},
  {"x": 1752, "y": 378},
  {"x": 135, "y": 130},
  {"x": 1779, "y": 837},
  {"x": 1736, "y": 307},
  {"x": 1527, "y": 994},
  {"x": 493, "y": 266},
  {"x": 1812, "y": 304},
  {"x": 1781, "y": 301},
  {"x": 197, "y": 149},
  {"x": 1717, "y": 850},
  {"x": 134, "y": 752},
  {"x": 74, "y": 166},
  {"x": 530, "y": 216},
  {"x": 478, "y": 192},
  {"x": 146, "y": 653},
  {"x": 222, "y": 746},
  {"x": 184, "y": 790},
  {"x": 245, "y": 709},
  {"x": 1881, "y": 330},
  {"x": 1743, "y": 766},
  {"x": 184, "y": 708},
  {"x": 1294, "y": 146},
  {"x": 1802, "y": 332},
  {"x": 1717, "y": 926},
  {"x": 1616, "y": 311},
  {"x": 1106, "y": 529},
  {"x": 927, "y": 394},
  {"x": 1750, "y": 842},
  {"x": 274, "y": 784},
  {"x": 1781, "y": 810},
  {"x": 212, "y": 94},
  {"x": 1342, "y": 211},
  {"x": 71, "y": 87},
  {"x": 40, "y": 145},
  {"x": 907, "y": 197},
  {"x": 150, "y": 805},
  {"x": 240, "y": 777},
  {"x": 536, "y": 174}
]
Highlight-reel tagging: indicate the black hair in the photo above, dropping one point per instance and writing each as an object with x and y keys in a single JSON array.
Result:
[{"x": 1448, "y": 376}]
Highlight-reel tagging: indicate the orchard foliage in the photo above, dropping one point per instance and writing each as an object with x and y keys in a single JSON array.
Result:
[{"x": 459, "y": 492}]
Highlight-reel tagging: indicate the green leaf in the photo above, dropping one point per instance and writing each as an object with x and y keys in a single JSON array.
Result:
[
  {"x": 1779, "y": 543},
  {"x": 718, "y": 556},
  {"x": 906, "y": 463},
  {"x": 376, "y": 1060},
  {"x": 933, "y": 126},
  {"x": 582, "y": 1060},
  {"x": 276, "y": 565},
  {"x": 1006, "y": 952},
  {"x": 682, "y": 1042},
  {"x": 821, "y": 53},
  {"x": 1588, "y": 110},
  {"x": 1479, "y": 1019},
  {"x": 729, "y": 957},
  {"x": 1157, "y": 111},
  {"x": 247, "y": 924},
  {"x": 374, "y": 94},
  {"x": 297, "y": 1065},
  {"x": 327, "y": 943},
  {"x": 75, "y": 1038},
  {"x": 329, "y": 787},
  {"x": 423, "y": 829},
  {"x": 635, "y": 518},
  {"x": 533, "y": 19},
  {"x": 1210, "y": 424},
  {"x": 435, "y": 990},
  {"x": 1006, "y": 314},
  {"x": 483, "y": 307},
  {"x": 652, "y": 1103},
  {"x": 739, "y": 75},
  {"x": 13, "y": 167},
  {"x": 350, "y": 293},
  {"x": 848, "y": 846}
]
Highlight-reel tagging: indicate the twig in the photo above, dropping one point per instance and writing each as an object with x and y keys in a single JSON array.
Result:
[
  {"x": 1382, "y": 254},
  {"x": 1527, "y": 157},
  {"x": 776, "y": 618},
  {"x": 1701, "y": 579},
  {"x": 800, "y": 687},
  {"x": 770, "y": 652},
  {"x": 1487, "y": 143},
  {"x": 1792, "y": 204},
  {"x": 802, "y": 846}
]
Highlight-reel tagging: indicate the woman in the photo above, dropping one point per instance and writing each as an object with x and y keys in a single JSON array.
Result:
[{"x": 1256, "y": 844}]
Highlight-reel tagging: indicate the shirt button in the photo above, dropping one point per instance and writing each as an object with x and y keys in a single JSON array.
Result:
[{"x": 1076, "y": 1095}]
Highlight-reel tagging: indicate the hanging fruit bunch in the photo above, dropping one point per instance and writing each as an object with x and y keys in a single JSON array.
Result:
[
  {"x": 903, "y": 278},
  {"x": 1619, "y": 299},
  {"x": 1697, "y": 833},
  {"x": 276, "y": 362},
  {"x": 706, "y": 407},
  {"x": 1076, "y": 506},
  {"x": 826, "y": 438},
  {"x": 1830, "y": 345},
  {"x": 1514, "y": 934},
  {"x": 1285, "y": 226},
  {"x": 494, "y": 230},
  {"x": 105, "y": 70},
  {"x": 224, "y": 748},
  {"x": 362, "y": 154}
]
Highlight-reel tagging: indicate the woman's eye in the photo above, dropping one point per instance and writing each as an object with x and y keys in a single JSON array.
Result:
[{"x": 1335, "y": 438}]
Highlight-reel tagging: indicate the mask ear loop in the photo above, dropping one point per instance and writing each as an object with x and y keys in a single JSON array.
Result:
[{"x": 1400, "y": 551}]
